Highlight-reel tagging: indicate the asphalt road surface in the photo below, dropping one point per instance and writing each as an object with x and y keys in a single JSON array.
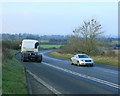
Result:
[{"x": 58, "y": 76}]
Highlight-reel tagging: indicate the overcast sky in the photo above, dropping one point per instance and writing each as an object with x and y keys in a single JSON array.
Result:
[{"x": 57, "y": 18}]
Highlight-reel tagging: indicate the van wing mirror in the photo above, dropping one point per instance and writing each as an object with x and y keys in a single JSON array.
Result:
[{"x": 36, "y": 45}]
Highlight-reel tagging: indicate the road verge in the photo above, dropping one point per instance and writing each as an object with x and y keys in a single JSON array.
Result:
[
  {"x": 13, "y": 77},
  {"x": 98, "y": 59}
]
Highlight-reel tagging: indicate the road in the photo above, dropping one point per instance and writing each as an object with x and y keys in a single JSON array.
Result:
[{"x": 58, "y": 76}]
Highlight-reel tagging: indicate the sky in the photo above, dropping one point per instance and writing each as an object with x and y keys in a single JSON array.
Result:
[{"x": 57, "y": 18}]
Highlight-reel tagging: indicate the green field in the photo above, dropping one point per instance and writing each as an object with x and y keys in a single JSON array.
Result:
[
  {"x": 112, "y": 61},
  {"x": 13, "y": 77},
  {"x": 44, "y": 41},
  {"x": 50, "y": 46}
]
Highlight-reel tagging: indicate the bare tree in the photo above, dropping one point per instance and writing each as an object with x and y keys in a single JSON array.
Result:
[{"x": 89, "y": 31}]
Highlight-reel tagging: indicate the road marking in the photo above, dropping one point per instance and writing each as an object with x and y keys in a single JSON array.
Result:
[
  {"x": 44, "y": 83},
  {"x": 85, "y": 76}
]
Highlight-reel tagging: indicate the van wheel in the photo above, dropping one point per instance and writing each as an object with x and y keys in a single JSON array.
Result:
[
  {"x": 22, "y": 59},
  {"x": 39, "y": 59}
]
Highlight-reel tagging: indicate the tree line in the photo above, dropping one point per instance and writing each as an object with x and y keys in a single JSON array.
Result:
[{"x": 20, "y": 36}]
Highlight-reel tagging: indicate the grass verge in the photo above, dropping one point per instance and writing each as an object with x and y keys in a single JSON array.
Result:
[
  {"x": 56, "y": 54},
  {"x": 13, "y": 77},
  {"x": 112, "y": 61},
  {"x": 50, "y": 46}
]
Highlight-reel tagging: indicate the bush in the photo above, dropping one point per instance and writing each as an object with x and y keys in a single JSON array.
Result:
[
  {"x": 11, "y": 44},
  {"x": 6, "y": 54},
  {"x": 7, "y": 47},
  {"x": 110, "y": 53},
  {"x": 79, "y": 48}
]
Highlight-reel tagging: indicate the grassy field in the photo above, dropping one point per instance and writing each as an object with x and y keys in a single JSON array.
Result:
[
  {"x": 13, "y": 77},
  {"x": 50, "y": 46},
  {"x": 112, "y": 61},
  {"x": 44, "y": 41}
]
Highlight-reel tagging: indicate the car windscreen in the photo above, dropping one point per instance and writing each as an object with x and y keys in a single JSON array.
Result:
[{"x": 82, "y": 56}]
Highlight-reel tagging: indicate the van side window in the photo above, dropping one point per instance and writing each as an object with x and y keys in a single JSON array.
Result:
[{"x": 36, "y": 44}]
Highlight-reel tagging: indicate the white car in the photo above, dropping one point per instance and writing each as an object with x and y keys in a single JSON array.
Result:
[{"x": 82, "y": 59}]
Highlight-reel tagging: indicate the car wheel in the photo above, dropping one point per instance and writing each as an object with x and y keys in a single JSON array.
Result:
[
  {"x": 91, "y": 65},
  {"x": 78, "y": 63},
  {"x": 71, "y": 62}
]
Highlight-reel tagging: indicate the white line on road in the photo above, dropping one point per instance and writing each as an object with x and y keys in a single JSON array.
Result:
[
  {"x": 44, "y": 83},
  {"x": 85, "y": 76}
]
